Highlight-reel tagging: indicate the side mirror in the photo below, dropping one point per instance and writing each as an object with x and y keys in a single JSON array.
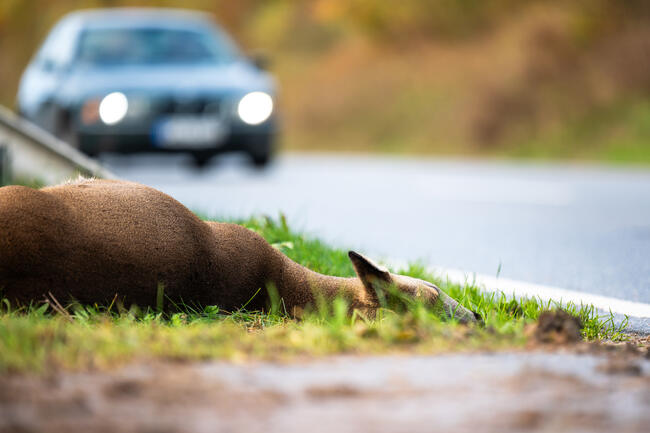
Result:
[
  {"x": 48, "y": 65},
  {"x": 260, "y": 60},
  {"x": 51, "y": 67}
]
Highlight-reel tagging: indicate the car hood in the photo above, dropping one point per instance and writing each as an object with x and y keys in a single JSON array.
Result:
[{"x": 227, "y": 79}]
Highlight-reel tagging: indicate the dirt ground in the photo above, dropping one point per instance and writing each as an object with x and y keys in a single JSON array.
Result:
[
  {"x": 558, "y": 383},
  {"x": 600, "y": 390}
]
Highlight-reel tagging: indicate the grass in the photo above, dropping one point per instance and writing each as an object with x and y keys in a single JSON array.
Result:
[
  {"x": 619, "y": 133},
  {"x": 44, "y": 337},
  {"x": 25, "y": 181}
]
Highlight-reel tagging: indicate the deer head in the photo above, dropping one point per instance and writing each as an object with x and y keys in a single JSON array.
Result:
[{"x": 384, "y": 285}]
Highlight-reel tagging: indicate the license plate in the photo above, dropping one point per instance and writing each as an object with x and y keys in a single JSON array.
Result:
[{"x": 189, "y": 132}]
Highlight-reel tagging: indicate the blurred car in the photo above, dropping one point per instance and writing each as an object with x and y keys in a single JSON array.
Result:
[{"x": 130, "y": 80}]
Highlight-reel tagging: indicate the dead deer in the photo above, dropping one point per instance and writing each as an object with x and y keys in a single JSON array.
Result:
[{"x": 91, "y": 240}]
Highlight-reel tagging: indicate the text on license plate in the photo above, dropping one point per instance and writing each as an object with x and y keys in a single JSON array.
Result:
[{"x": 189, "y": 131}]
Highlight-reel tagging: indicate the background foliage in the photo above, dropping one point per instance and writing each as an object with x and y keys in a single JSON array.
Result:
[{"x": 534, "y": 78}]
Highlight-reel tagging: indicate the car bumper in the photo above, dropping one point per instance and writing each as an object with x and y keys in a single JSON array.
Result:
[
  {"x": 134, "y": 143},
  {"x": 133, "y": 139}
]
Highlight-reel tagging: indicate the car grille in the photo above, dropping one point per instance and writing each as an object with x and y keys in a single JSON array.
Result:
[{"x": 189, "y": 106}]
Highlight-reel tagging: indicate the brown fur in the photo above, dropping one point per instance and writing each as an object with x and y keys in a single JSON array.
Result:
[{"x": 92, "y": 239}]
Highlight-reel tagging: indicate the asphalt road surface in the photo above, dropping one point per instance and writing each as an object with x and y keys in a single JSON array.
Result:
[{"x": 584, "y": 228}]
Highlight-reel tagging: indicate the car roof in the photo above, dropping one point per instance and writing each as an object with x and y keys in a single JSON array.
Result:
[{"x": 129, "y": 17}]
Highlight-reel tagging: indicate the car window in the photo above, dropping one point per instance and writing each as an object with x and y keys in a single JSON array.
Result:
[
  {"x": 59, "y": 47},
  {"x": 149, "y": 46}
]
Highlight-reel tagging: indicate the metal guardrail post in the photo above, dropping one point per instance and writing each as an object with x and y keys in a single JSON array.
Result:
[{"x": 5, "y": 165}]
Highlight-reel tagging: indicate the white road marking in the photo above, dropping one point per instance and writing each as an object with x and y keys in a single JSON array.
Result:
[
  {"x": 545, "y": 293},
  {"x": 522, "y": 288}
]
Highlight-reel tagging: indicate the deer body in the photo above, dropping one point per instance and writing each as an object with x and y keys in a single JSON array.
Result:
[{"x": 94, "y": 239}]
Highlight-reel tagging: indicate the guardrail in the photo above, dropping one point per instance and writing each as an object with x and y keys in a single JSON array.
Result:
[
  {"x": 32, "y": 153},
  {"x": 5, "y": 168}
]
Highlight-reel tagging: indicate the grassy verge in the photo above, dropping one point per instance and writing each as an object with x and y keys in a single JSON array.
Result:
[
  {"x": 617, "y": 134},
  {"x": 40, "y": 339}
]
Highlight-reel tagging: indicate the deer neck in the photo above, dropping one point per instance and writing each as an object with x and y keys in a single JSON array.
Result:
[{"x": 299, "y": 286}]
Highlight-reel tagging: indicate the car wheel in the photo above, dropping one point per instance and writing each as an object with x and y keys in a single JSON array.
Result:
[
  {"x": 87, "y": 145},
  {"x": 261, "y": 151},
  {"x": 201, "y": 159},
  {"x": 260, "y": 160},
  {"x": 62, "y": 126}
]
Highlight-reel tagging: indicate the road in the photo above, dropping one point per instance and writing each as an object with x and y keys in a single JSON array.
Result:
[{"x": 580, "y": 227}]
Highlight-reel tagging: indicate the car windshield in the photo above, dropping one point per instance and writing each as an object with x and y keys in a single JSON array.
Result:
[{"x": 137, "y": 46}]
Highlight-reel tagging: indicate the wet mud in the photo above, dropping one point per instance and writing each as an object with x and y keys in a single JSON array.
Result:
[{"x": 538, "y": 391}]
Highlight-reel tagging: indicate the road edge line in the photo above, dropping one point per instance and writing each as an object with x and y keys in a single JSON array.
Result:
[{"x": 546, "y": 293}]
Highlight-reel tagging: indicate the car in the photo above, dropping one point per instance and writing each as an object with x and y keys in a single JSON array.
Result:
[{"x": 138, "y": 80}]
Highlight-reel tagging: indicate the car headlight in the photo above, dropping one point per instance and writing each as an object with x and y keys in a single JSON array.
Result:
[
  {"x": 255, "y": 107},
  {"x": 113, "y": 108}
]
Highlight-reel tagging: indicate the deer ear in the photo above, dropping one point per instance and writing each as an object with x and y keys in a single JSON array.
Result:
[{"x": 371, "y": 274}]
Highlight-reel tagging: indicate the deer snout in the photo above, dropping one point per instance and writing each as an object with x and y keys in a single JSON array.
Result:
[{"x": 454, "y": 310}]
